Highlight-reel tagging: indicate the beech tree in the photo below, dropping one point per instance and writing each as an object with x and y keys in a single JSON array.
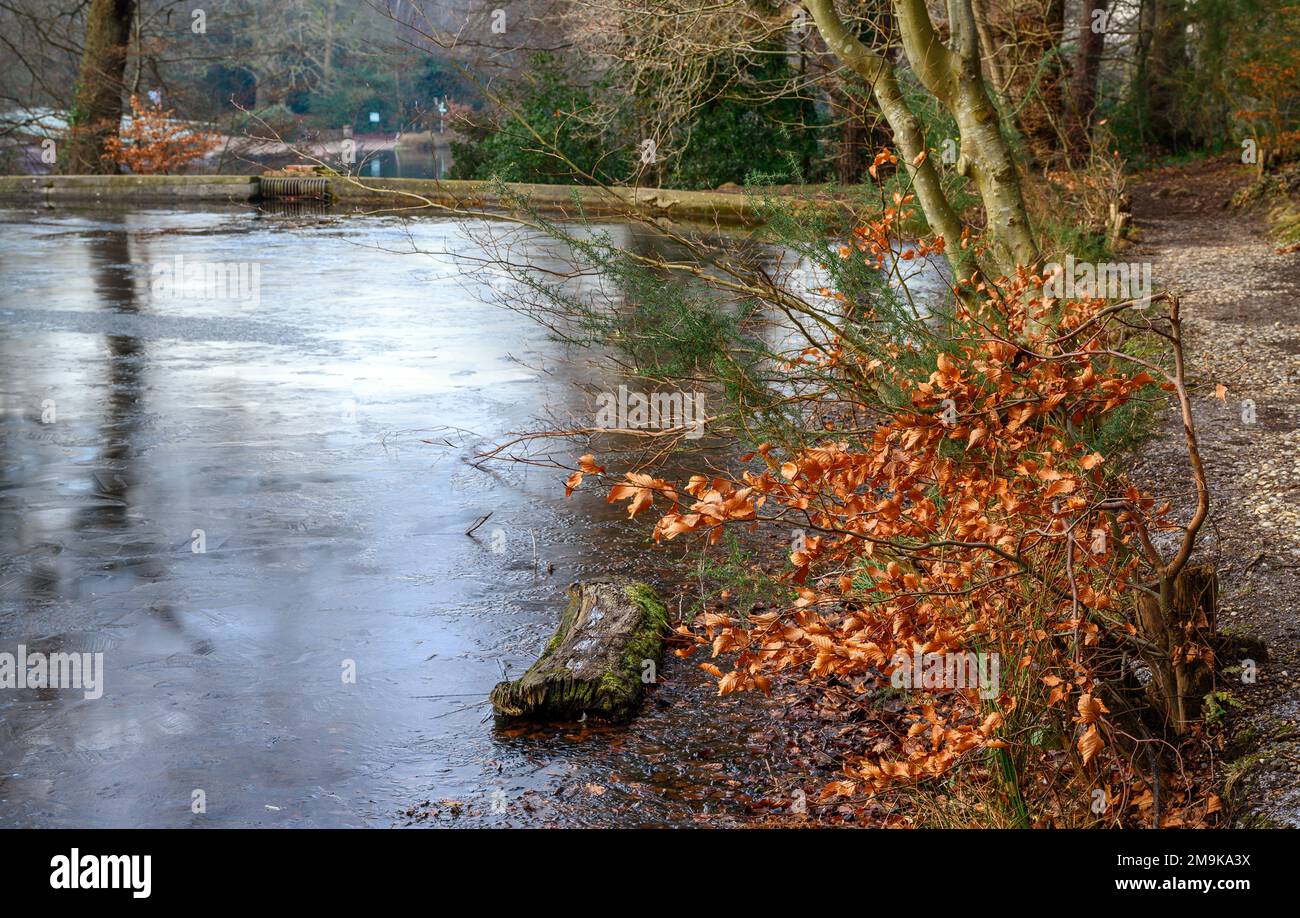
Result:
[{"x": 952, "y": 73}]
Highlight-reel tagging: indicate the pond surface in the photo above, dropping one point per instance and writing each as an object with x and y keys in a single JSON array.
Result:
[{"x": 235, "y": 499}]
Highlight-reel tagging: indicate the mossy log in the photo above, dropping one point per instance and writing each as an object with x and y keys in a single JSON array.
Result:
[{"x": 605, "y": 651}]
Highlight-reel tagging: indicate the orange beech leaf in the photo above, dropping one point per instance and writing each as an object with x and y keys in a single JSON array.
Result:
[
  {"x": 153, "y": 141},
  {"x": 1090, "y": 744},
  {"x": 926, "y": 548},
  {"x": 586, "y": 465},
  {"x": 640, "y": 492},
  {"x": 839, "y": 789},
  {"x": 1090, "y": 709}
]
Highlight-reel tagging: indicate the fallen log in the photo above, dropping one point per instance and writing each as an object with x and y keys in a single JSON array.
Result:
[{"x": 605, "y": 651}]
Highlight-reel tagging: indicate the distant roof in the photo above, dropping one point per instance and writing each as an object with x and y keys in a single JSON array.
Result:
[
  {"x": 51, "y": 122},
  {"x": 42, "y": 122}
]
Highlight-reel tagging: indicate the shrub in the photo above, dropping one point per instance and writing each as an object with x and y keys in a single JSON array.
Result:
[{"x": 153, "y": 142}]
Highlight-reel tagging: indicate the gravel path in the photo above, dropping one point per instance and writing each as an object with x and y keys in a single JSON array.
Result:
[{"x": 1241, "y": 308}]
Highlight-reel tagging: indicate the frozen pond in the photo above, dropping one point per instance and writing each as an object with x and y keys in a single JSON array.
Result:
[{"x": 235, "y": 499}]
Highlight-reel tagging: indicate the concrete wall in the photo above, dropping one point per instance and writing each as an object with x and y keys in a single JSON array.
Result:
[
  {"x": 566, "y": 200},
  {"x": 112, "y": 188},
  {"x": 388, "y": 194}
]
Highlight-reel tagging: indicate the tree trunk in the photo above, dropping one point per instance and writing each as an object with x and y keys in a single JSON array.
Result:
[
  {"x": 604, "y": 653},
  {"x": 1181, "y": 625},
  {"x": 1055, "y": 89},
  {"x": 1020, "y": 48},
  {"x": 848, "y": 161},
  {"x": 953, "y": 75},
  {"x": 97, "y": 104},
  {"x": 908, "y": 137},
  {"x": 1140, "y": 87},
  {"x": 855, "y": 142},
  {"x": 1167, "y": 69},
  {"x": 1087, "y": 68},
  {"x": 861, "y": 134},
  {"x": 989, "y": 53}
]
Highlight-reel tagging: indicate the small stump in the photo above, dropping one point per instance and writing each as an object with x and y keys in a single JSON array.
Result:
[{"x": 604, "y": 653}]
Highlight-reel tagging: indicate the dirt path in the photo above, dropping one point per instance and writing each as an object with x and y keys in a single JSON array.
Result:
[{"x": 1241, "y": 305}]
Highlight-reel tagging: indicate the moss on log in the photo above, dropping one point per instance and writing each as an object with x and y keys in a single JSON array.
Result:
[{"x": 610, "y": 638}]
